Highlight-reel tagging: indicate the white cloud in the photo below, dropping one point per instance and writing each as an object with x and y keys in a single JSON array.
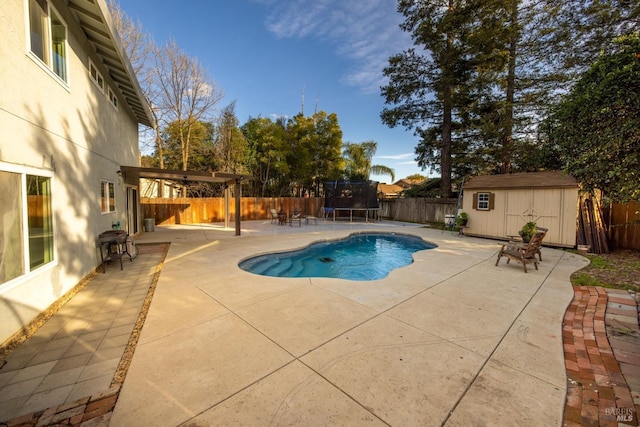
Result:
[
  {"x": 366, "y": 32},
  {"x": 397, "y": 157}
]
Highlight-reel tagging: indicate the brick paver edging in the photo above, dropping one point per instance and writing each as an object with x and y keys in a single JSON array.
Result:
[
  {"x": 89, "y": 411},
  {"x": 597, "y": 392},
  {"x": 96, "y": 410}
]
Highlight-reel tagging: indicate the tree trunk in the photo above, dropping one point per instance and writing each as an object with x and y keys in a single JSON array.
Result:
[
  {"x": 445, "y": 152},
  {"x": 507, "y": 137},
  {"x": 160, "y": 190},
  {"x": 447, "y": 111}
]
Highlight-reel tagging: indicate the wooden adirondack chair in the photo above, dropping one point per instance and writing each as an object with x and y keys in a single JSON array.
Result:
[
  {"x": 521, "y": 252},
  {"x": 544, "y": 233}
]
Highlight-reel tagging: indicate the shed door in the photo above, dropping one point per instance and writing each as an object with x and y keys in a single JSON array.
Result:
[{"x": 542, "y": 206}]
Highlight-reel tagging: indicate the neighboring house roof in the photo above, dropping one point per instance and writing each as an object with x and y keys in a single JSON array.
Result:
[
  {"x": 390, "y": 189},
  {"x": 549, "y": 179},
  {"x": 406, "y": 183},
  {"x": 94, "y": 19}
]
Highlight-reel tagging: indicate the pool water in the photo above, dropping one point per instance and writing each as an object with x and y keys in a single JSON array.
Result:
[{"x": 366, "y": 256}]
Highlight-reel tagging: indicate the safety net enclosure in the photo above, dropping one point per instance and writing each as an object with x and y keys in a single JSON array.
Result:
[{"x": 351, "y": 196}]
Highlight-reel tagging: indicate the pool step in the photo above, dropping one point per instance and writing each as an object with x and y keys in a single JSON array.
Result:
[
  {"x": 293, "y": 269},
  {"x": 263, "y": 265},
  {"x": 277, "y": 269}
]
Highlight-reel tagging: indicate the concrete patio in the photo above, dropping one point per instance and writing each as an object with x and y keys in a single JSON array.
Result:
[{"x": 448, "y": 340}]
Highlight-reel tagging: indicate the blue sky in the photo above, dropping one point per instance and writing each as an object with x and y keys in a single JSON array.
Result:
[{"x": 264, "y": 54}]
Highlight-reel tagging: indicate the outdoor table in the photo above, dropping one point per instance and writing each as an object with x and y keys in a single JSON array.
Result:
[{"x": 113, "y": 245}]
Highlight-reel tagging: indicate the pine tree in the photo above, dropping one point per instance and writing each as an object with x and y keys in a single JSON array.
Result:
[{"x": 424, "y": 81}]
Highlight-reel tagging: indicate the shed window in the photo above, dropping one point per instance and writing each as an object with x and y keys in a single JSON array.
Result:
[{"x": 483, "y": 201}]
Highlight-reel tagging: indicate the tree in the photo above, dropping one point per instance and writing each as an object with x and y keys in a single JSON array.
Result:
[
  {"x": 416, "y": 177},
  {"x": 597, "y": 125},
  {"x": 586, "y": 28},
  {"x": 507, "y": 60},
  {"x": 429, "y": 188},
  {"x": 423, "y": 87},
  {"x": 231, "y": 145},
  {"x": 551, "y": 44},
  {"x": 188, "y": 94},
  {"x": 268, "y": 152},
  {"x": 141, "y": 49},
  {"x": 316, "y": 149},
  {"x": 358, "y": 159},
  {"x": 203, "y": 156}
]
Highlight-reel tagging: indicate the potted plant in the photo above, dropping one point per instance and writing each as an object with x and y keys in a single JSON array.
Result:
[
  {"x": 527, "y": 231},
  {"x": 462, "y": 219}
]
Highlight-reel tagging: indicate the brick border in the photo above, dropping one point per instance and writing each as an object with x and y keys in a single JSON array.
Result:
[
  {"x": 95, "y": 410},
  {"x": 597, "y": 392}
]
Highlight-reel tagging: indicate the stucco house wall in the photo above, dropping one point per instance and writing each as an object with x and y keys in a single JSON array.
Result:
[
  {"x": 71, "y": 132},
  {"x": 550, "y": 199}
]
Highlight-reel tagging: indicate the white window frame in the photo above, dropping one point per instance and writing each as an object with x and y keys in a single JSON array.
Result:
[
  {"x": 105, "y": 201},
  {"x": 97, "y": 80},
  {"x": 484, "y": 201},
  {"x": 113, "y": 99},
  {"x": 28, "y": 272},
  {"x": 47, "y": 63}
]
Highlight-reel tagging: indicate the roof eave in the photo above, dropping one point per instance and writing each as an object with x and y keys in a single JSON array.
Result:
[{"x": 96, "y": 23}]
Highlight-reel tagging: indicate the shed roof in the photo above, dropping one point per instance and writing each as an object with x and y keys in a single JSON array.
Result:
[{"x": 547, "y": 179}]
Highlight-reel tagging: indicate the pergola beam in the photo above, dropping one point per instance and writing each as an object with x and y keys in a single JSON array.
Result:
[{"x": 132, "y": 175}]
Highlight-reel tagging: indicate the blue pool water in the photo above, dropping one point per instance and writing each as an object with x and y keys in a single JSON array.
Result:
[{"x": 369, "y": 256}]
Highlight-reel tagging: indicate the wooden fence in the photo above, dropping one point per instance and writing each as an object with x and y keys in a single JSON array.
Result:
[
  {"x": 419, "y": 210},
  {"x": 623, "y": 221},
  {"x": 192, "y": 211},
  {"x": 206, "y": 210},
  {"x": 623, "y": 225}
]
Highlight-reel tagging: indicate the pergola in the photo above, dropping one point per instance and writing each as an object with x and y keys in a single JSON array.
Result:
[{"x": 132, "y": 175}]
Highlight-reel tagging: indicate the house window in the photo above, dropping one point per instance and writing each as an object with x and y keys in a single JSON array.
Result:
[
  {"x": 26, "y": 238},
  {"x": 107, "y": 197},
  {"x": 95, "y": 76},
  {"x": 48, "y": 37},
  {"x": 483, "y": 201},
  {"x": 113, "y": 99}
]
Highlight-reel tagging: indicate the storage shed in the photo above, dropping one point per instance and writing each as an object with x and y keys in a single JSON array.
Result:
[{"x": 499, "y": 205}]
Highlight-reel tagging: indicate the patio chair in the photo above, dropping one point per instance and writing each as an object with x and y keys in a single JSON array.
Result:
[
  {"x": 518, "y": 239},
  {"x": 544, "y": 233},
  {"x": 521, "y": 252},
  {"x": 274, "y": 216},
  {"x": 313, "y": 218},
  {"x": 296, "y": 215}
]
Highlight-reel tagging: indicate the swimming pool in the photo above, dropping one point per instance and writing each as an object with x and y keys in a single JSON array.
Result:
[{"x": 361, "y": 256}]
